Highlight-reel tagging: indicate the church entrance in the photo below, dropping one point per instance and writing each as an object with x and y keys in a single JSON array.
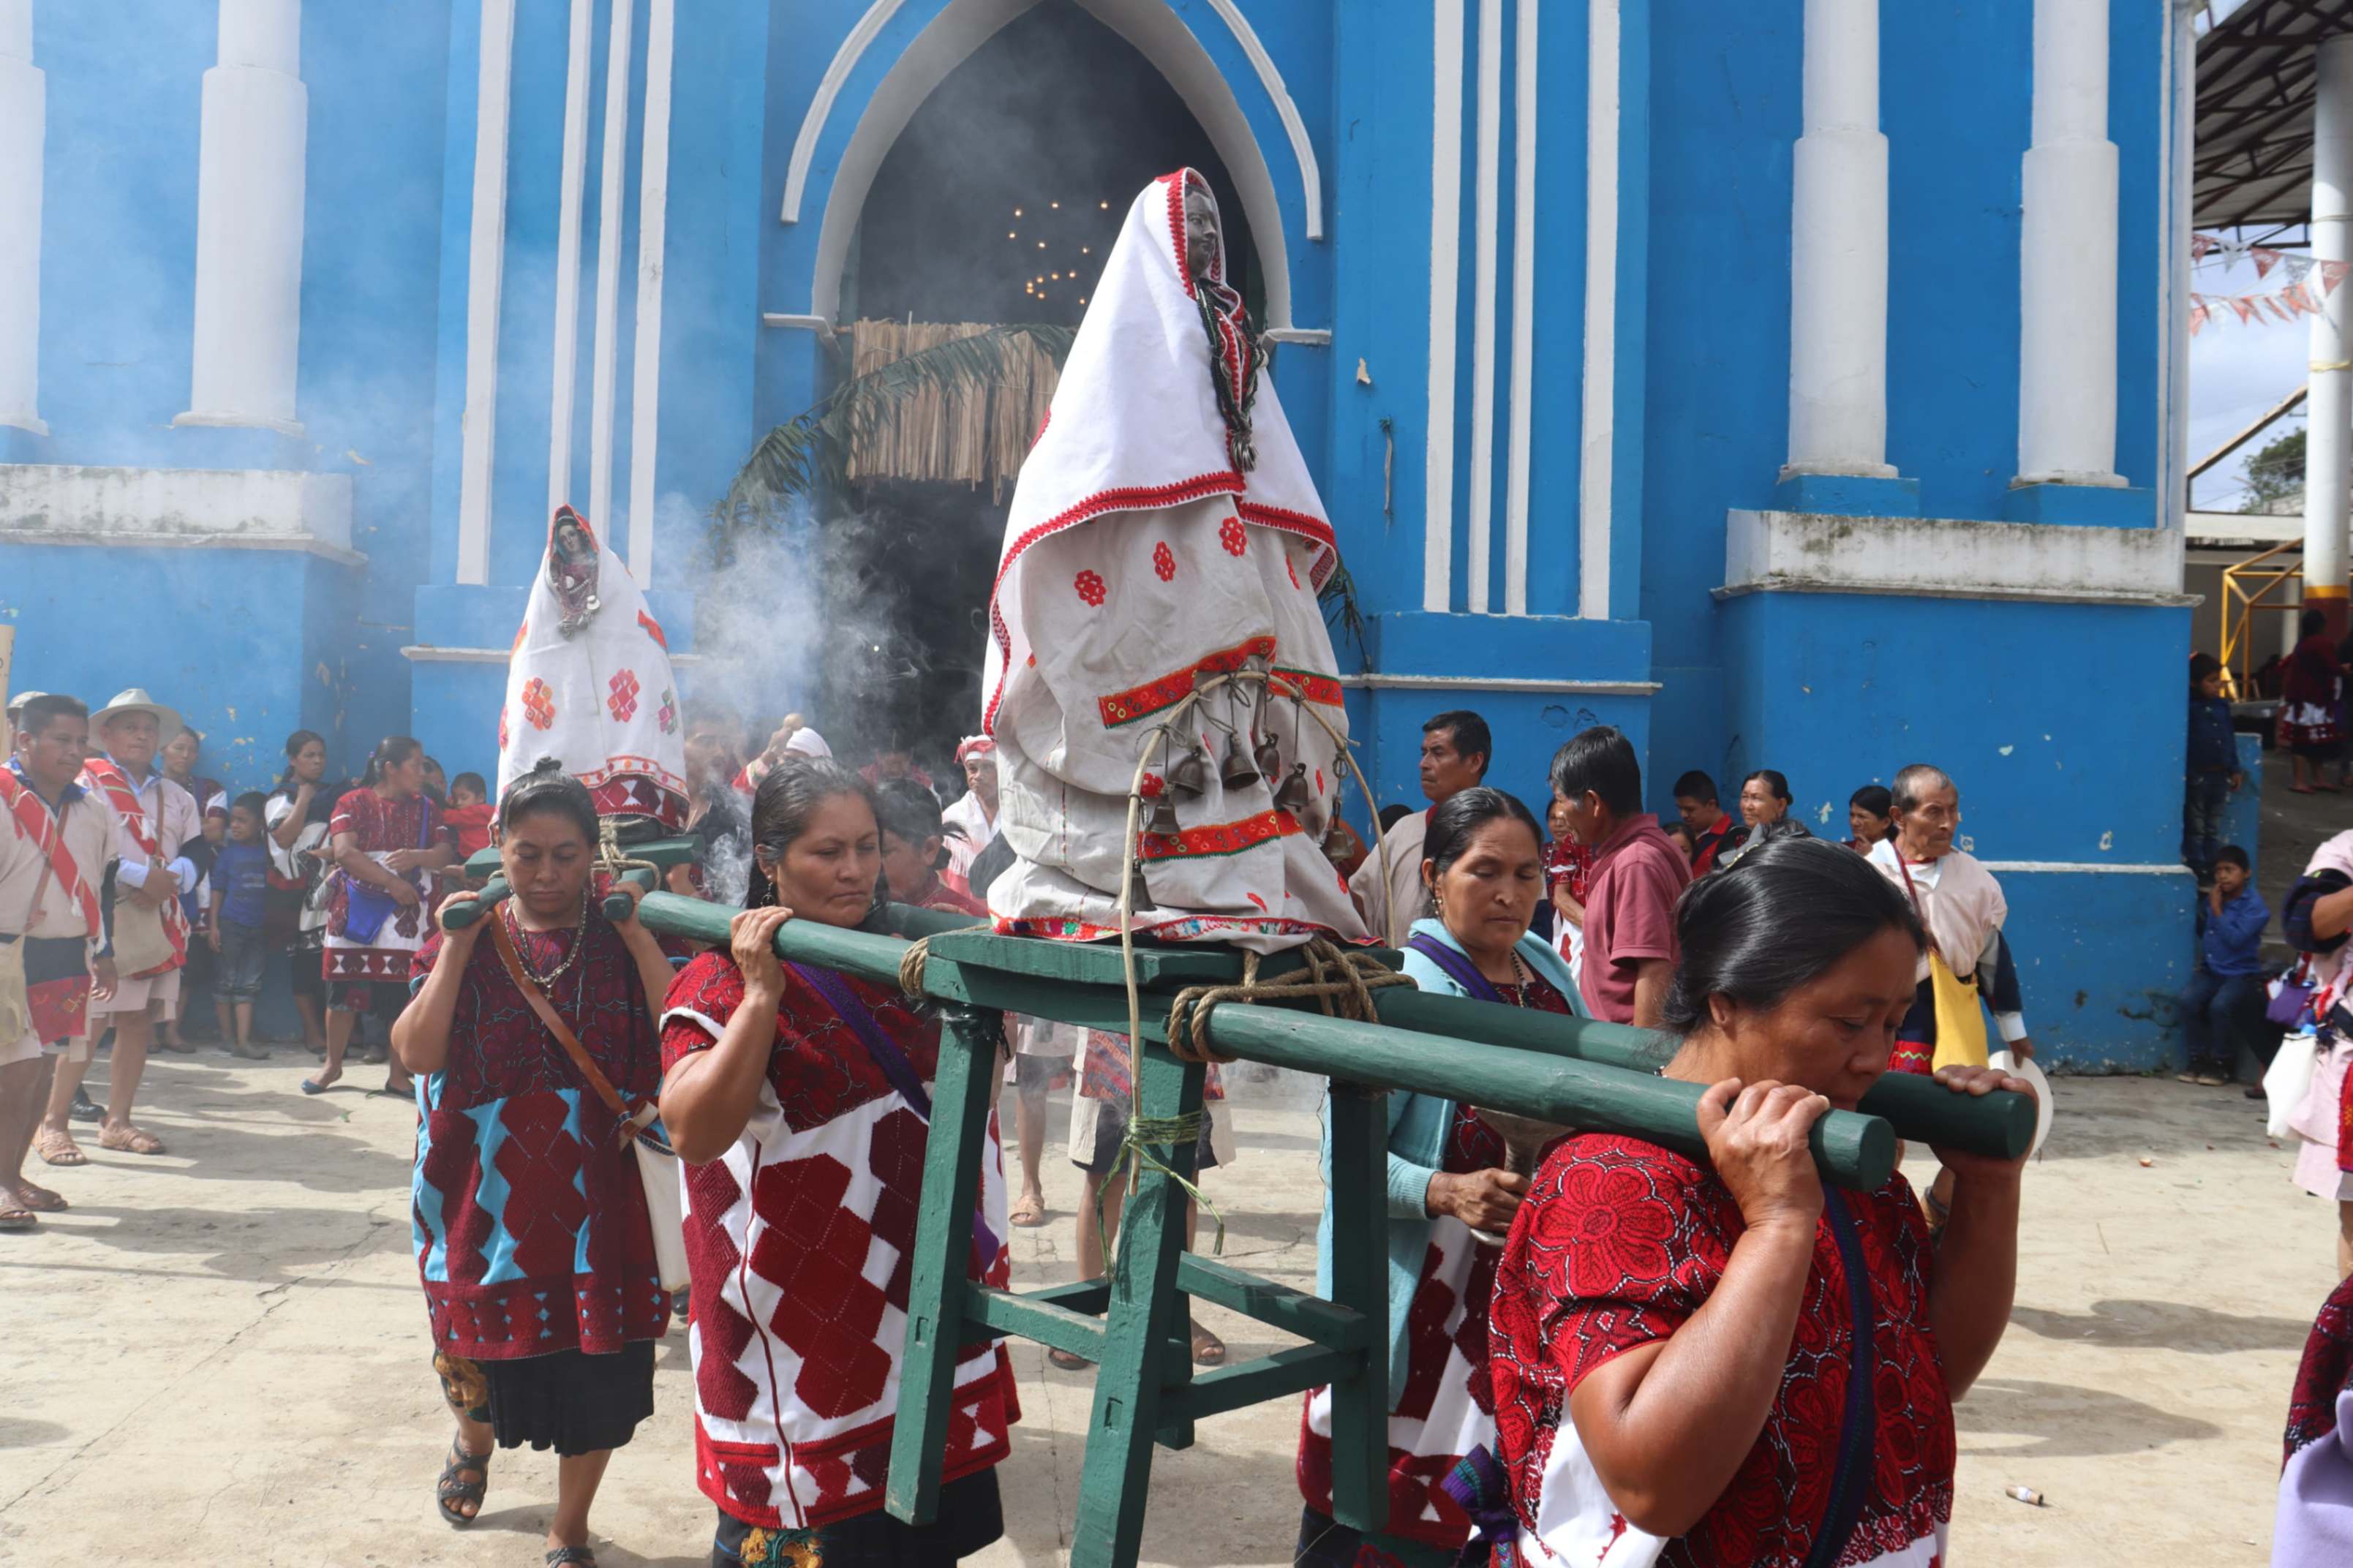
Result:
[{"x": 995, "y": 207}]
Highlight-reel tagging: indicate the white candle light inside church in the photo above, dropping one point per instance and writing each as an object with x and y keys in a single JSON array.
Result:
[
  {"x": 2067, "y": 255},
  {"x": 1838, "y": 285},
  {"x": 250, "y": 186}
]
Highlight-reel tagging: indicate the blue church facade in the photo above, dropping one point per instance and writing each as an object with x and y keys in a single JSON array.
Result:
[{"x": 1792, "y": 384}]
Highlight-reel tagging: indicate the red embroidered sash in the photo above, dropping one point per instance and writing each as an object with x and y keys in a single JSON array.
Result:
[
  {"x": 103, "y": 775},
  {"x": 48, "y": 834}
]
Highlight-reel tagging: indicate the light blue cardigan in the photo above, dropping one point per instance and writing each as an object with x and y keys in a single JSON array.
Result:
[{"x": 1418, "y": 1125}]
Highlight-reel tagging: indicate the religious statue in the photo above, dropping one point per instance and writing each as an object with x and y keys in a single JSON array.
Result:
[
  {"x": 1161, "y": 562},
  {"x": 572, "y": 570}
]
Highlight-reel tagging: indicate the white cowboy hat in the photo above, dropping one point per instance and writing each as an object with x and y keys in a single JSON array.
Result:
[
  {"x": 17, "y": 703},
  {"x": 135, "y": 699}
]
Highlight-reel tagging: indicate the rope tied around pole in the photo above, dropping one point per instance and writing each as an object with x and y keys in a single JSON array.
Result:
[
  {"x": 916, "y": 956},
  {"x": 1339, "y": 982}
]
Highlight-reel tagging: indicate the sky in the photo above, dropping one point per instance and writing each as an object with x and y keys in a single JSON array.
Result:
[{"x": 2235, "y": 373}]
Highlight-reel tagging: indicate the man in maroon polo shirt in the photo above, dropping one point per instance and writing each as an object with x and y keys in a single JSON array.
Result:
[{"x": 1638, "y": 873}]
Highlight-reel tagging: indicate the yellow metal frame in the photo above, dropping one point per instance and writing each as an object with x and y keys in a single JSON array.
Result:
[{"x": 2239, "y": 608}]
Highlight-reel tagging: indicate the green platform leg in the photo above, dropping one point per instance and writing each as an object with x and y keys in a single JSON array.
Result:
[
  {"x": 1144, "y": 1310},
  {"x": 961, "y": 1097},
  {"x": 1360, "y": 1282}
]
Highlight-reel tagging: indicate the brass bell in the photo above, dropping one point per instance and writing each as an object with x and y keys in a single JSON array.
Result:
[
  {"x": 1294, "y": 797},
  {"x": 1269, "y": 758},
  {"x": 1239, "y": 771},
  {"x": 1160, "y": 817},
  {"x": 1189, "y": 774},
  {"x": 1139, "y": 898}
]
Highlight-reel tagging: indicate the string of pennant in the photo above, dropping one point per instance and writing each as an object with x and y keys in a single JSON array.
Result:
[{"x": 2308, "y": 282}]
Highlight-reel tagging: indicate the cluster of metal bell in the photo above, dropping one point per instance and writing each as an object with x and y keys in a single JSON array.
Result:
[{"x": 1243, "y": 766}]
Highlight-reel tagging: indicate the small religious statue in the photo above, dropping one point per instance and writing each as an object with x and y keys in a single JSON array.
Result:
[{"x": 572, "y": 572}]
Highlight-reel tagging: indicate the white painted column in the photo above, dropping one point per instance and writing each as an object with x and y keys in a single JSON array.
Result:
[
  {"x": 1487, "y": 204},
  {"x": 607, "y": 348},
  {"x": 2329, "y": 408},
  {"x": 2067, "y": 256},
  {"x": 1837, "y": 251},
  {"x": 568, "y": 255},
  {"x": 249, "y": 185},
  {"x": 1523, "y": 308},
  {"x": 1445, "y": 282},
  {"x": 23, "y": 120},
  {"x": 653, "y": 228},
  {"x": 486, "y": 260},
  {"x": 1598, "y": 424}
]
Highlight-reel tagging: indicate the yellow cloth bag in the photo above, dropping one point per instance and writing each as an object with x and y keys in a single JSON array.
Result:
[{"x": 1960, "y": 1020}]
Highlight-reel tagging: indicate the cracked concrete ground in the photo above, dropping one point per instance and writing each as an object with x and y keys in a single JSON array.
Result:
[{"x": 219, "y": 1354}]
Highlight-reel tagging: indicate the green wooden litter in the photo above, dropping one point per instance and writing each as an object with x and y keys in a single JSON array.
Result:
[{"x": 1542, "y": 1065}]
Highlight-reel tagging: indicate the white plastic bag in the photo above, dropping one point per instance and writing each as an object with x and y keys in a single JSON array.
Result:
[
  {"x": 664, "y": 1179},
  {"x": 2288, "y": 1078},
  {"x": 2008, "y": 1061}
]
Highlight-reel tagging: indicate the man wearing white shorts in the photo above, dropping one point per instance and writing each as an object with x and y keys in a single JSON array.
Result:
[
  {"x": 54, "y": 860},
  {"x": 153, "y": 817}
]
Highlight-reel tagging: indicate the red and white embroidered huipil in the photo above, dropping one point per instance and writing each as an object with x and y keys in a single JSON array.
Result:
[{"x": 799, "y": 1241}]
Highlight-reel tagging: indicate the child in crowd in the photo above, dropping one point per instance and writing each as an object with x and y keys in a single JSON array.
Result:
[
  {"x": 240, "y": 902},
  {"x": 437, "y": 783},
  {"x": 913, "y": 851},
  {"x": 2227, "y": 990},
  {"x": 1679, "y": 836},
  {"x": 2212, "y": 766},
  {"x": 469, "y": 813}
]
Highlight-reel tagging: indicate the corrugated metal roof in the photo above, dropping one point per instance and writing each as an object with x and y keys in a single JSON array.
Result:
[{"x": 2252, "y": 162}]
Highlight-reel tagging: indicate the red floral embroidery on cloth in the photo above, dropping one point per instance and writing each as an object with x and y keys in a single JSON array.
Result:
[
  {"x": 519, "y": 1167},
  {"x": 1233, "y": 536},
  {"x": 1620, "y": 1243},
  {"x": 1163, "y": 561},
  {"x": 813, "y": 1225},
  {"x": 1165, "y": 692},
  {"x": 1315, "y": 687},
  {"x": 1218, "y": 837},
  {"x": 1091, "y": 588},
  {"x": 538, "y": 703},
  {"x": 621, "y": 700}
]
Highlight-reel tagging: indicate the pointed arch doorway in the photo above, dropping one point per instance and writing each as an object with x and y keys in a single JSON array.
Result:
[{"x": 996, "y": 205}]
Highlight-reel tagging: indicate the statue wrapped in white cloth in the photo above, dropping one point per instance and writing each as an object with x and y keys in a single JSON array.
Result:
[
  {"x": 1164, "y": 532},
  {"x": 590, "y": 685}
]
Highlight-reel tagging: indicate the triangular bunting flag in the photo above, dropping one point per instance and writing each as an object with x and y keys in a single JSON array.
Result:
[
  {"x": 2332, "y": 273},
  {"x": 2277, "y": 309},
  {"x": 2197, "y": 319},
  {"x": 2299, "y": 300},
  {"x": 2265, "y": 260},
  {"x": 2199, "y": 244},
  {"x": 2245, "y": 306}
]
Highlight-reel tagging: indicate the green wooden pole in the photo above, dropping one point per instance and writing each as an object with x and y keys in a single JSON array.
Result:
[
  {"x": 1919, "y": 1108},
  {"x": 1360, "y": 1282},
  {"x": 1145, "y": 1309},
  {"x": 936, "y": 1287},
  {"x": 1853, "y": 1150}
]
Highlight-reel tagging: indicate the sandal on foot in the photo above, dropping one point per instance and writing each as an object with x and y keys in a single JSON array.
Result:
[
  {"x": 39, "y": 1200},
  {"x": 1208, "y": 1348},
  {"x": 56, "y": 1148},
  {"x": 312, "y": 1085},
  {"x": 452, "y": 1488},
  {"x": 13, "y": 1220},
  {"x": 583, "y": 1556},
  {"x": 129, "y": 1140},
  {"x": 1068, "y": 1361},
  {"x": 1029, "y": 1211}
]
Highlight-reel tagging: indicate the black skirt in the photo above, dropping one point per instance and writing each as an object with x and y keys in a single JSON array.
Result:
[
  {"x": 970, "y": 1518},
  {"x": 569, "y": 1401}
]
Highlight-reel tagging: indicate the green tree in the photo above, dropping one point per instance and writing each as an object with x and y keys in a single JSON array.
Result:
[{"x": 2274, "y": 474}]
